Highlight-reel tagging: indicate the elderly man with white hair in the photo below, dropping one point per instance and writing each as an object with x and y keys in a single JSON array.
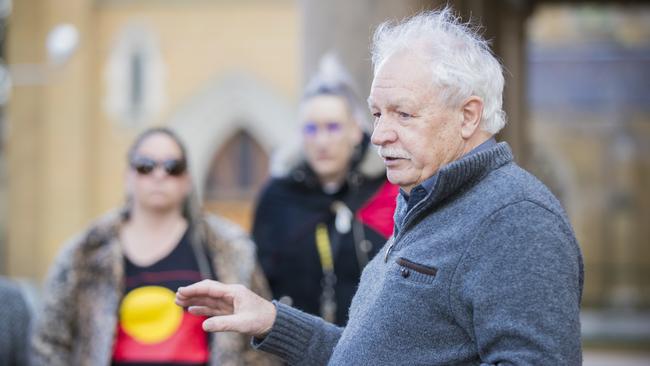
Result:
[{"x": 483, "y": 267}]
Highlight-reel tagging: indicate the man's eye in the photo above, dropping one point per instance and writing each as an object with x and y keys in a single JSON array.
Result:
[
  {"x": 404, "y": 115},
  {"x": 377, "y": 115}
]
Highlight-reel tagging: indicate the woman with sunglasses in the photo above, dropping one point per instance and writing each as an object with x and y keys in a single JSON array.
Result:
[{"x": 109, "y": 299}]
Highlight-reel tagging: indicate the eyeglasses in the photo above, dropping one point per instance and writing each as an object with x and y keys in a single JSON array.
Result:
[
  {"x": 310, "y": 129},
  {"x": 144, "y": 166}
]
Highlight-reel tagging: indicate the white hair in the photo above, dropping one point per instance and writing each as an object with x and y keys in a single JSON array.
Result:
[
  {"x": 461, "y": 61},
  {"x": 333, "y": 79}
]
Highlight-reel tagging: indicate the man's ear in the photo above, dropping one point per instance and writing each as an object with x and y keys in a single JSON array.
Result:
[{"x": 472, "y": 110}]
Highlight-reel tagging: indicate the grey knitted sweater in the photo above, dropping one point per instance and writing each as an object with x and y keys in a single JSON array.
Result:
[{"x": 484, "y": 271}]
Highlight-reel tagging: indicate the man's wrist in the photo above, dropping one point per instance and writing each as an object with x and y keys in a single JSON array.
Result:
[{"x": 273, "y": 311}]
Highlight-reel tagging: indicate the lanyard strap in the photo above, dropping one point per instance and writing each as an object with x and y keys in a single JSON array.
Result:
[
  {"x": 327, "y": 298},
  {"x": 324, "y": 248}
]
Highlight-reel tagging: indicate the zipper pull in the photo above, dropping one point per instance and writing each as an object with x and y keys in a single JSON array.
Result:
[{"x": 390, "y": 247}]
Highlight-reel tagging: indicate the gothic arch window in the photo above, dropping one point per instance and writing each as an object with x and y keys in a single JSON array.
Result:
[{"x": 237, "y": 173}]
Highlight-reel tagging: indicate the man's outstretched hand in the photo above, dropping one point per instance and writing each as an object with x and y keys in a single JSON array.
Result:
[{"x": 230, "y": 308}]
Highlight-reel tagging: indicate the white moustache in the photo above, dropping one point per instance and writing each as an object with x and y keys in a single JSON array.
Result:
[{"x": 393, "y": 153}]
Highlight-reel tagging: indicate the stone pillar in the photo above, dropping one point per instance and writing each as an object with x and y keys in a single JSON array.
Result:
[
  {"x": 346, "y": 27},
  {"x": 48, "y": 134},
  {"x": 625, "y": 291},
  {"x": 504, "y": 25},
  {"x": 25, "y": 49}
]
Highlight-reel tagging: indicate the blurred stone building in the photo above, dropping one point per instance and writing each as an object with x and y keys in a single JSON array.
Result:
[
  {"x": 219, "y": 72},
  {"x": 89, "y": 74},
  {"x": 589, "y": 100}
]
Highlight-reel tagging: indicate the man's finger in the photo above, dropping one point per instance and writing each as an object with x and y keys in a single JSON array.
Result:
[
  {"x": 206, "y": 311},
  {"x": 206, "y": 301},
  {"x": 204, "y": 288},
  {"x": 185, "y": 302},
  {"x": 225, "y": 323}
]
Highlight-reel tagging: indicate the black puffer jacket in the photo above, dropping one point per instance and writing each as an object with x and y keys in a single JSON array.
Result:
[{"x": 290, "y": 208}]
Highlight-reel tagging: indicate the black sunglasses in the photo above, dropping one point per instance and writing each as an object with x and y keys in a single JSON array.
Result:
[{"x": 144, "y": 165}]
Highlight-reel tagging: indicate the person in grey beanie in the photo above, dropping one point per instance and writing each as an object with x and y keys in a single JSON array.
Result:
[{"x": 483, "y": 267}]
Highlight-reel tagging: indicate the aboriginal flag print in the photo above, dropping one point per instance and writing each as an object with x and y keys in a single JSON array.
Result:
[{"x": 152, "y": 329}]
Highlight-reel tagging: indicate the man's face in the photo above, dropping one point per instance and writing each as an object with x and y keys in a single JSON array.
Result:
[
  {"x": 329, "y": 136},
  {"x": 416, "y": 134}
]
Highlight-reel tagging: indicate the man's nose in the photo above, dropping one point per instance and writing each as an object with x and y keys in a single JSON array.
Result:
[{"x": 382, "y": 133}]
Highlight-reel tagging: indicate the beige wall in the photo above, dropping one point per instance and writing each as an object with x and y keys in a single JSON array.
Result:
[
  {"x": 47, "y": 143},
  {"x": 66, "y": 154}
]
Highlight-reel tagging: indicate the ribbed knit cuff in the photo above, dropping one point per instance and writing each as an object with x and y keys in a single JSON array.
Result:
[{"x": 289, "y": 338}]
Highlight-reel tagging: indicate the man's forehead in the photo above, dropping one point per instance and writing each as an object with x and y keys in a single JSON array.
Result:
[
  {"x": 394, "y": 92},
  {"x": 400, "y": 73},
  {"x": 388, "y": 98}
]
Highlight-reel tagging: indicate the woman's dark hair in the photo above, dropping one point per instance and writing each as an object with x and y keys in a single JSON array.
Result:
[{"x": 155, "y": 131}]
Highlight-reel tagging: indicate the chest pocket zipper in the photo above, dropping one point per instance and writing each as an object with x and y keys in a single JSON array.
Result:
[{"x": 416, "y": 271}]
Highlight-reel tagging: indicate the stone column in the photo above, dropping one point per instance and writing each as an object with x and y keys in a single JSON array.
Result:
[
  {"x": 504, "y": 25},
  {"x": 25, "y": 50},
  {"x": 49, "y": 128},
  {"x": 346, "y": 27},
  {"x": 625, "y": 291}
]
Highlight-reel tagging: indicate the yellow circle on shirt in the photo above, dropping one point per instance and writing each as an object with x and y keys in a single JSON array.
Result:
[{"x": 149, "y": 314}]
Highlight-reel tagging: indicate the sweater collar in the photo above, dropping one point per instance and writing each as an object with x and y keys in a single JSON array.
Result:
[
  {"x": 469, "y": 169},
  {"x": 456, "y": 175},
  {"x": 430, "y": 182}
]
